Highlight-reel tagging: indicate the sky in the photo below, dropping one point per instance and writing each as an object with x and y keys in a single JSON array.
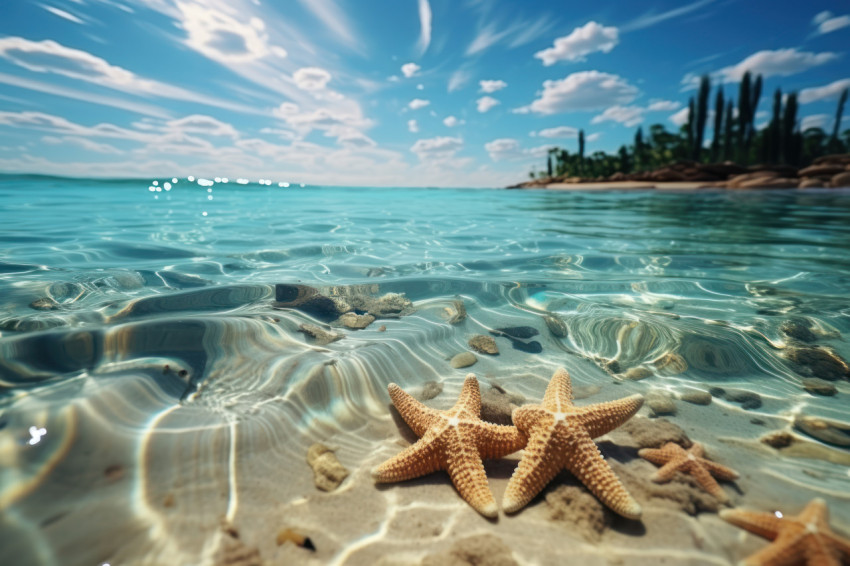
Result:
[{"x": 383, "y": 92}]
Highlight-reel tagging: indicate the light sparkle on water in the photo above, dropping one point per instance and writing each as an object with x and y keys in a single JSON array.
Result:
[{"x": 36, "y": 434}]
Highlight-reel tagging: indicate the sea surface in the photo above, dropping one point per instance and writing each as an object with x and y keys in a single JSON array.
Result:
[{"x": 151, "y": 389}]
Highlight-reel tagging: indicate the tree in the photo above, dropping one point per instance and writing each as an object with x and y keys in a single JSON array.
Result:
[
  {"x": 728, "y": 131},
  {"x": 549, "y": 162},
  {"x": 744, "y": 99},
  {"x": 753, "y": 108},
  {"x": 789, "y": 124},
  {"x": 701, "y": 116},
  {"x": 689, "y": 127},
  {"x": 834, "y": 144},
  {"x": 718, "y": 124},
  {"x": 581, "y": 151},
  {"x": 773, "y": 139},
  {"x": 640, "y": 152}
]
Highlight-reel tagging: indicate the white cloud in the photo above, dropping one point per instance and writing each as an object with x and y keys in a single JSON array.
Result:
[
  {"x": 425, "y": 26},
  {"x": 814, "y": 121},
  {"x": 504, "y": 149},
  {"x": 627, "y": 115},
  {"x": 338, "y": 121},
  {"x": 221, "y": 37},
  {"x": 492, "y": 86},
  {"x": 582, "y": 41},
  {"x": 558, "y": 132},
  {"x": 334, "y": 18},
  {"x": 520, "y": 30},
  {"x": 418, "y": 103},
  {"x": 585, "y": 90},
  {"x": 663, "y": 106},
  {"x": 459, "y": 79},
  {"x": 437, "y": 148},
  {"x": 834, "y": 24},
  {"x": 50, "y": 57},
  {"x": 84, "y": 143},
  {"x": 821, "y": 17},
  {"x": 451, "y": 121},
  {"x": 204, "y": 125},
  {"x": 311, "y": 78},
  {"x": 485, "y": 103},
  {"x": 680, "y": 118},
  {"x": 593, "y": 137},
  {"x": 412, "y": 126},
  {"x": 651, "y": 19},
  {"x": 486, "y": 37},
  {"x": 63, "y": 14},
  {"x": 410, "y": 69},
  {"x": 832, "y": 90},
  {"x": 780, "y": 62},
  {"x": 420, "y": 87}
]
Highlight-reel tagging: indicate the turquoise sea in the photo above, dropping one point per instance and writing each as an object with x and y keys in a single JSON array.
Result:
[{"x": 151, "y": 390}]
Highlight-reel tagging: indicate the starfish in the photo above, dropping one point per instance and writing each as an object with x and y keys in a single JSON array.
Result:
[
  {"x": 455, "y": 440},
  {"x": 672, "y": 458},
  {"x": 560, "y": 436},
  {"x": 797, "y": 539}
]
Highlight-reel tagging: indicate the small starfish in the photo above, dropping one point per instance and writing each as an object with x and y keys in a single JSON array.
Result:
[
  {"x": 672, "y": 458},
  {"x": 797, "y": 539},
  {"x": 455, "y": 440},
  {"x": 560, "y": 436}
]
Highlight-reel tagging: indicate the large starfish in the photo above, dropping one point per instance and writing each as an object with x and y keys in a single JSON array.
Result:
[
  {"x": 455, "y": 440},
  {"x": 797, "y": 539},
  {"x": 672, "y": 458},
  {"x": 560, "y": 436}
]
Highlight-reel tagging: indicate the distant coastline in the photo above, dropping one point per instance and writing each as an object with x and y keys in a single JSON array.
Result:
[{"x": 828, "y": 171}]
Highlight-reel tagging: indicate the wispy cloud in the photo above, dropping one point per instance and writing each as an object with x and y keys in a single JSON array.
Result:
[
  {"x": 582, "y": 41},
  {"x": 768, "y": 63},
  {"x": 62, "y": 14},
  {"x": 651, "y": 18},
  {"x": 334, "y": 18},
  {"x": 425, "y": 26}
]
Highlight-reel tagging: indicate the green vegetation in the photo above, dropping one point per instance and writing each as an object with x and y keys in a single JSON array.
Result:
[{"x": 735, "y": 137}]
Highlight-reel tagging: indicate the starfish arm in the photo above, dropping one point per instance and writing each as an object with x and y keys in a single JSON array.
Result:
[
  {"x": 719, "y": 471},
  {"x": 586, "y": 463},
  {"x": 463, "y": 463},
  {"x": 697, "y": 450},
  {"x": 495, "y": 441},
  {"x": 539, "y": 464},
  {"x": 416, "y": 460},
  {"x": 469, "y": 401},
  {"x": 559, "y": 392},
  {"x": 815, "y": 511},
  {"x": 779, "y": 554},
  {"x": 604, "y": 417},
  {"x": 840, "y": 545},
  {"x": 415, "y": 414},
  {"x": 766, "y": 525},
  {"x": 655, "y": 455},
  {"x": 708, "y": 483},
  {"x": 666, "y": 472}
]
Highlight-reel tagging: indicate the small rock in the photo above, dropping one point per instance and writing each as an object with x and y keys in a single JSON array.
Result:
[
  {"x": 356, "y": 321},
  {"x": 382, "y": 328},
  {"x": 825, "y": 430},
  {"x": 457, "y": 313},
  {"x": 817, "y": 386},
  {"x": 293, "y": 536},
  {"x": 585, "y": 391},
  {"x": 812, "y": 183},
  {"x": 757, "y": 421},
  {"x": 670, "y": 363},
  {"x": 660, "y": 402},
  {"x": 327, "y": 470},
  {"x": 114, "y": 472},
  {"x": 431, "y": 389},
  {"x": 696, "y": 397},
  {"x": 310, "y": 301},
  {"x": 636, "y": 374},
  {"x": 497, "y": 405},
  {"x": 321, "y": 336},
  {"x": 484, "y": 344},
  {"x": 840, "y": 180},
  {"x": 655, "y": 433},
  {"x": 44, "y": 304},
  {"x": 556, "y": 326},
  {"x": 168, "y": 502},
  {"x": 522, "y": 332},
  {"x": 463, "y": 360},
  {"x": 798, "y": 329},
  {"x": 817, "y": 361},
  {"x": 748, "y": 399},
  {"x": 778, "y": 439},
  {"x": 821, "y": 170}
]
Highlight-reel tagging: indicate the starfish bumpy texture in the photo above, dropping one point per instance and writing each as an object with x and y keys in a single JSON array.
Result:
[
  {"x": 455, "y": 440},
  {"x": 797, "y": 539},
  {"x": 672, "y": 458},
  {"x": 560, "y": 436}
]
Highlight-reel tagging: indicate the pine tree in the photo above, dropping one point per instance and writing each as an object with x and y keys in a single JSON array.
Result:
[
  {"x": 833, "y": 141},
  {"x": 774, "y": 137},
  {"x": 789, "y": 124},
  {"x": 744, "y": 99},
  {"x": 689, "y": 128},
  {"x": 640, "y": 160},
  {"x": 581, "y": 151},
  {"x": 754, "y": 104},
  {"x": 701, "y": 116},
  {"x": 728, "y": 130},
  {"x": 718, "y": 124}
]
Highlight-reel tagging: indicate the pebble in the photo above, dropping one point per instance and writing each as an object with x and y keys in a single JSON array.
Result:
[
  {"x": 327, "y": 470},
  {"x": 356, "y": 321},
  {"x": 44, "y": 304},
  {"x": 660, "y": 402},
  {"x": 556, "y": 326},
  {"x": 671, "y": 363},
  {"x": 321, "y": 336},
  {"x": 463, "y": 360},
  {"x": 484, "y": 344},
  {"x": 798, "y": 329},
  {"x": 457, "y": 312},
  {"x": 638, "y": 373},
  {"x": 825, "y": 430},
  {"x": 696, "y": 397},
  {"x": 523, "y": 332},
  {"x": 293, "y": 536},
  {"x": 748, "y": 399},
  {"x": 817, "y": 386},
  {"x": 431, "y": 389},
  {"x": 818, "y": 361}
]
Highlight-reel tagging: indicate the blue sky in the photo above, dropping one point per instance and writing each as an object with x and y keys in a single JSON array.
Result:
[{"x": 382, "y": 92}]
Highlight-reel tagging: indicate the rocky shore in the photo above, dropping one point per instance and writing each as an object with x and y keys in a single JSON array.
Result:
[{"x": 829, "y": 171}]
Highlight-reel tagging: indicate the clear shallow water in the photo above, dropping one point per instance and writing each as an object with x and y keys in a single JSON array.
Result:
[{"x": 137, "y": 461}]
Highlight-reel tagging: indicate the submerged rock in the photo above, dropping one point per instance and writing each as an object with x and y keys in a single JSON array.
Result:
[
  {"x": 44, "y": 304},
  {"x": 391, "y": 305},
  {"x": 556, "y": 326},
  {"x": 748, "y": 399},
  {"x": 637, "y": 373},
  {"x": 660, "y": 402},
  {"x": 484, "y": 344},
  {"x": 320, "y": 335},
  {"x": 817, "y": 386},
  {"x": 798, "y": 329},
  {"x": 463, "y": 360},
  {"x": 696, "y": 397},
  {"x": 654, "y": 433},
  {"x": 817, "y": 361},
  {"x": 497, "y": 405},
  {"x": 671, "y": 363},
  {"x": 308, "y": 300},
  {"x": 522, "y": 332},
  {"x": 457, "y": 312},
  {"x": 356, "y": 321},
  {"x": 296, "y": 538},
  {"x": 327, "y": 470},
  {"x": 431, "y": 389},
  {"x": 825, "y": 430}
]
